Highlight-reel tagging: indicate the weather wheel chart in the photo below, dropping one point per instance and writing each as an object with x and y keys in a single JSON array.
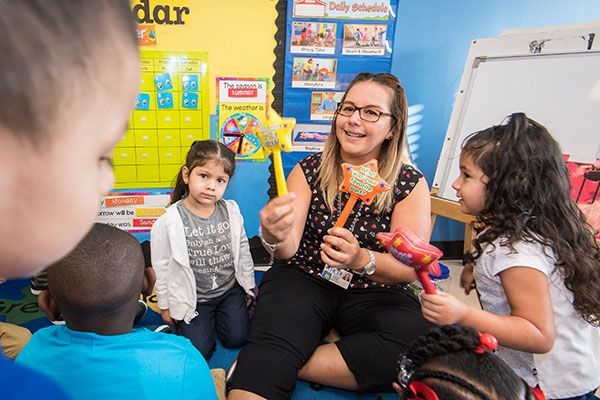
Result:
[
  {"x": 171, "y": 112},
  {"x": 240, "y": 133}
]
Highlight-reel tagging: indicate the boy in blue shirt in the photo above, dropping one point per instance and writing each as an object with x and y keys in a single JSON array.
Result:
[{"x": 97, "y": 354}]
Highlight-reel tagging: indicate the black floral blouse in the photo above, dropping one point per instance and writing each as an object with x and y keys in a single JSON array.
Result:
[{"x": 365, "y": 221}]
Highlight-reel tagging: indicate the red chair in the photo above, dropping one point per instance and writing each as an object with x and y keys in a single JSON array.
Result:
[{"x": 591, "y": 175}]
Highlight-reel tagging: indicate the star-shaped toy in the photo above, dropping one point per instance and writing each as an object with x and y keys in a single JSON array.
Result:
[
  {"x": 410, "y": 250},
  {"x": 276, "y": 136},
  {"x": 362, "y": 182}
]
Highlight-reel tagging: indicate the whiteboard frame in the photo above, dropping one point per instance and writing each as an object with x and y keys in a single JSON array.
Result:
[{"x": 558, "y": 41}]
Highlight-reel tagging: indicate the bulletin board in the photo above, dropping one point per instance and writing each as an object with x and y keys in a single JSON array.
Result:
[
  {"x": 240, "y": 39},
  {"x": 328, "y": 43},
  {"x": 179, "y": 39},
  {"x": 171, "y": 111},
  {"x": 238, "y": 35}
]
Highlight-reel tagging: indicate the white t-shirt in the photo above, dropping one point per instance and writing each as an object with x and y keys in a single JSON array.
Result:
[{"x": 572, "y": 367}]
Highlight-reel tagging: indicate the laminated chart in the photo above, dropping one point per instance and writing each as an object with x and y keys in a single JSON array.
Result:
[
  {"x": 171, "y": 112},
  {"x": 240, "y": 133},
  {"x": 242, "y": 107},
  {"x": 133, "y": 212}
]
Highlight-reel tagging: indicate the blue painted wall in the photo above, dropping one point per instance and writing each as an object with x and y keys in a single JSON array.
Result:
[{"x": 430, "y": 47}]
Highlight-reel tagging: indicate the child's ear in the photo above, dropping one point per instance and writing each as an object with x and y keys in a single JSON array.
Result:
[
  {"x": 149, "y": 280},
  {"x": 47, "y": 304},
  {"x": 185, "y": 174}
]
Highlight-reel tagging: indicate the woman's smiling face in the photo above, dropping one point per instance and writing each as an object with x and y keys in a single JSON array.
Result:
[{"x": 361, "y": 140}]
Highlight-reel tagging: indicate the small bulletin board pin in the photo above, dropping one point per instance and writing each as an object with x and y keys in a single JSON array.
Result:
[
  {"x": 410, "y": 250},
  {"x": 362, "y": 182},
  {"x": 276, "y": 136}
]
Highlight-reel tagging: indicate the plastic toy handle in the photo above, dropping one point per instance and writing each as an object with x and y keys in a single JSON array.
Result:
[
  {"x": 346, "y": 212},
  {"x": 279, "y": 175},
  {"x": 425, "y": 279}
]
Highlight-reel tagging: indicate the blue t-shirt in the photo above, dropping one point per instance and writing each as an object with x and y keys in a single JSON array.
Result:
[
  {"x": 137, "y": 365},
  {"x": 21, "y": 383}
]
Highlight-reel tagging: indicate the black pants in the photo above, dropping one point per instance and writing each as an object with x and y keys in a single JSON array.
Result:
[
  {"x": 226, "y": 315},
  {"x": 295, "y": 311}
]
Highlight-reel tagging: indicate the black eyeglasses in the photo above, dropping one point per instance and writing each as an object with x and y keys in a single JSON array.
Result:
[{"x": 369, "y": 114}]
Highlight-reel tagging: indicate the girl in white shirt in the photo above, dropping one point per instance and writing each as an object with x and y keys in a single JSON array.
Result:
[
  {"x": 200, "y": 252},
  {"x": 537, "y": 263}
]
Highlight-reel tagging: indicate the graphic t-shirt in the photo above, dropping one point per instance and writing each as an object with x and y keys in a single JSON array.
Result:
[{"x": 209, "y": 247}]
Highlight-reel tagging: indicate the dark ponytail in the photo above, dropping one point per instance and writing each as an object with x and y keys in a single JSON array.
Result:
[{"x": 201, "y": 152}]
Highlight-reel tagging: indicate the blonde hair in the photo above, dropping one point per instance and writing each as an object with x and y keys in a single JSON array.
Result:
[{"x": 394, "y": 152}]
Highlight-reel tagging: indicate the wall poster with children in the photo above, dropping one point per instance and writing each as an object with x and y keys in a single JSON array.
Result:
[
  {"x": 311, "y": 72},
  {"x": 313, "y": 37},
  {"x": 364, "y": 39},
  {"x": 328, "y": 43},
  {"x": 324, "y": 104}
]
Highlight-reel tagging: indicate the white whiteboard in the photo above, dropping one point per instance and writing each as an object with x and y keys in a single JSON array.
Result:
[{"x": 559, "y": 88}]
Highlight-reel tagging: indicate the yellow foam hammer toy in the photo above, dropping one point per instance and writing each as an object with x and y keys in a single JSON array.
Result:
[{"x": 276, "y": 136}]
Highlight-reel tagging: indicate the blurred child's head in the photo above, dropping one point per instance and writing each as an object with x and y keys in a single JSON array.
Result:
[
  {"x": 527, "y": 197},
  {"x": 96, "y": 286},
  {"x": 452, "y": 362},
  {"x": 209, "y": 166},
  {"x": 68, "y": 78}
]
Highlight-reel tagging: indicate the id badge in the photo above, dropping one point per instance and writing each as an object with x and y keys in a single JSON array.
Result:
[{"x": 340, "y": 277}]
